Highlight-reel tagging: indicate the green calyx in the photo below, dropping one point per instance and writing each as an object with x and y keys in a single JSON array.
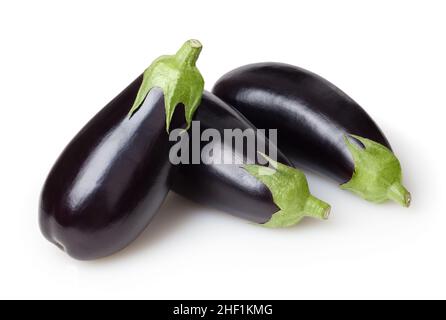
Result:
[
  {"x": 377, "y": 176},
  {"x": 289, "y": 188},
  {"x": 179, "y": 79}
]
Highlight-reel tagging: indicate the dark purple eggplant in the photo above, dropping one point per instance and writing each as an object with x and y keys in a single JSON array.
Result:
[
  {"x": 319, "y": 127},
  {"x": 114, "y": 175},
  {"x": 275, "y": 196}
]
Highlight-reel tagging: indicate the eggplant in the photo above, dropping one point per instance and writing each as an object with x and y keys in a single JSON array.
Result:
[
  {"x": 114, "y": 175},
  {"x": 320, "y": 128},
  {"x": 274, "y": 196}
]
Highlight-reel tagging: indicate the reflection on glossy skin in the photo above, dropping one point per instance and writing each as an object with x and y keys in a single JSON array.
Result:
[
  {"x": 312, "y": 115},
  {"x": 227, "y": 187},
  {"x": 111, "y": 179},
  {"x": 98, "y": 165}
]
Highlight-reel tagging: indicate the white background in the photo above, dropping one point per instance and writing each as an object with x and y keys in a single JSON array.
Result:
[{"x": 61, "y": 61}]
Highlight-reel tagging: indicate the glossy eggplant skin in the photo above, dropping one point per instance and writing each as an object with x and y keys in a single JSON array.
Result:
[
  {"x": 227, "y": 187},
  {"x": 312, "y": 115},
  {"x": 111, "y": 179}
]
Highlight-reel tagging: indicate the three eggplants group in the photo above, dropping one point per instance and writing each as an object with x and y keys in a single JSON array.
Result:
[{"x": 112, "y": 178}]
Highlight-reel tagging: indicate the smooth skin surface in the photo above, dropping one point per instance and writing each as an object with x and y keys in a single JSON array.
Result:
[
  {"x": 228, "y": 187},
  {"x": 319, "y": 127},
  {"x": 241, "y": 188},
  {"x": 312, "y": 115},
  {"x": 111, "y": 179},
  {"x": 114, "y": 175}
]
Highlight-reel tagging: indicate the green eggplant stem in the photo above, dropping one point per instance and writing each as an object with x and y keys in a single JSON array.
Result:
[
  {"x": 377, "y": 176},
  {"x": 180, "y": 80},
  {"x": 398, "y": 193},
  {"x": 188, "y": 54},
  {"x": 316, "y": 208},
  {"x": 289, "y": 188}
]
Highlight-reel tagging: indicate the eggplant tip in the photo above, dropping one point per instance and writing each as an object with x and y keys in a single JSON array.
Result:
[
  {"x": 317, "y": 208},
  {"x": 398, "y": 193},
  {"x": 327, "y": 213},
  {"x": 195, "y": 43},
  {"x": 408, "y": 200}
]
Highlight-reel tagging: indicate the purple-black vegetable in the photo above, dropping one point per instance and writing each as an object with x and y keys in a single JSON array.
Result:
[
  {"x": 319, "y": 127},
  {"x": 114, "y": 175},
  {"x": 275, "y": 196}
]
